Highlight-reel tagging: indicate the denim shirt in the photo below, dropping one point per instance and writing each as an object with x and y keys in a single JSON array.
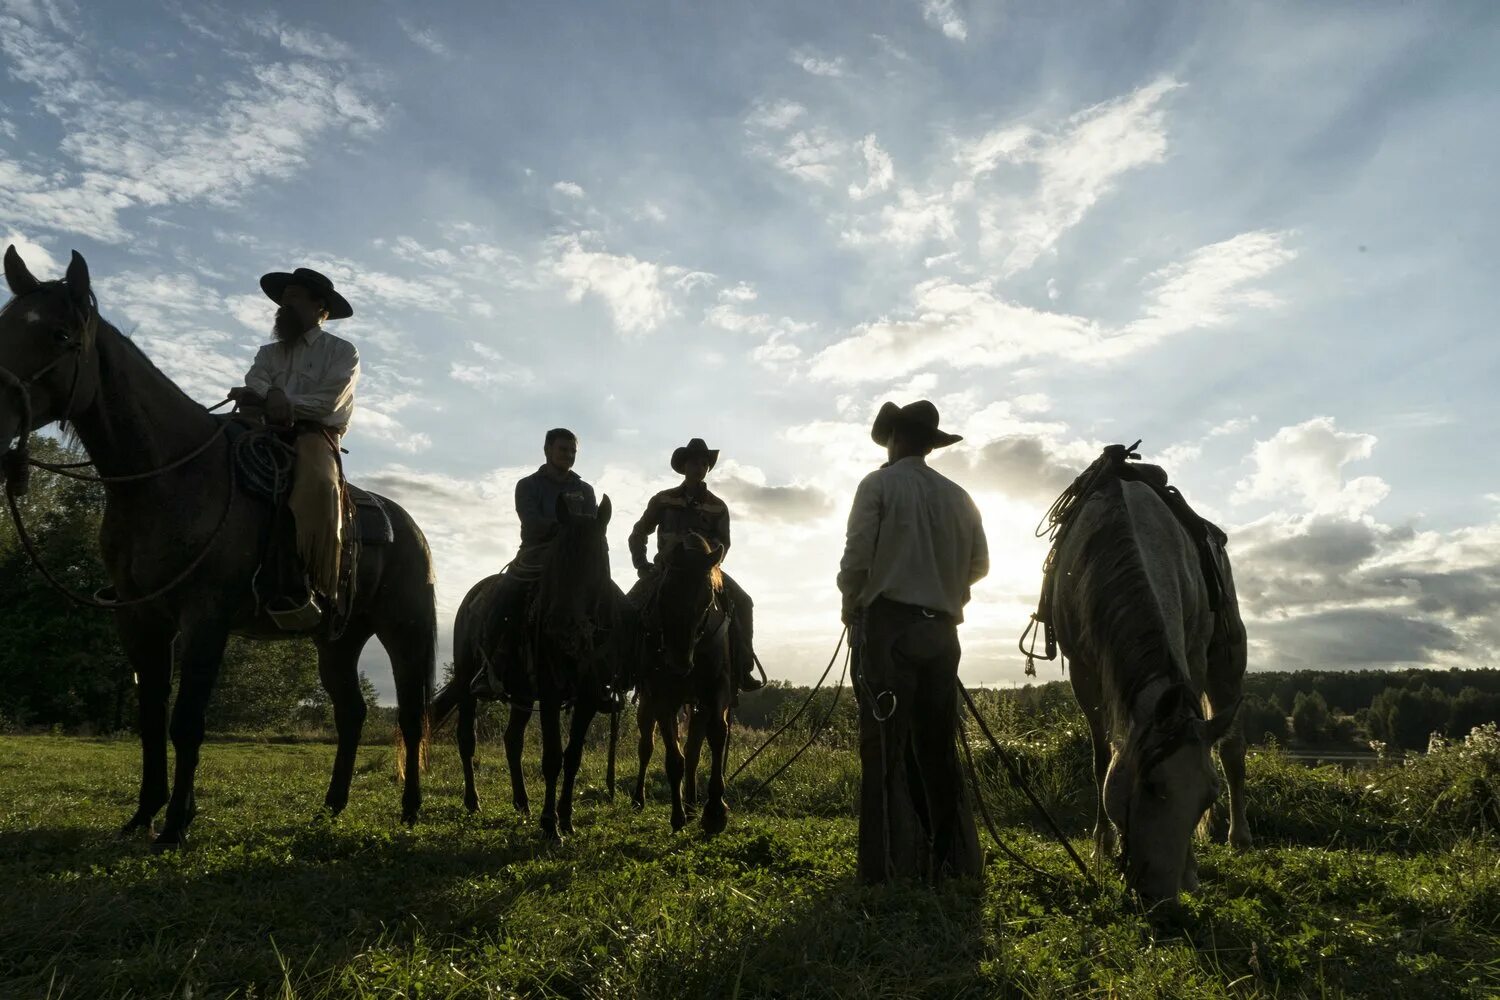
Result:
[{"x": 536, "y": 503}]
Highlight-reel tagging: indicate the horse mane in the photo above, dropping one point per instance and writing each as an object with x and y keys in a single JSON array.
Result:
[
  {"x": 715, "y": 574},
  {"x": 1121, "y": 605},
  {"x": 574, "y": 558},
  {"x": 118, "y": 338}
]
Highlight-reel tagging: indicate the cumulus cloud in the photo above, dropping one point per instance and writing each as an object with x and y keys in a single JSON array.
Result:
[
  {"x": 746, "y": 491},
  {"x": 818, "y": 65},
  {"x": 569, "y": 189},
  {"x": 423, "y": 37},
  {"x": 1306, "y": 462}
]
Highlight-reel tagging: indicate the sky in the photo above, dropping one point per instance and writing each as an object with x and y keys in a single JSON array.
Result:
[{"x": 1256, "y": 236}]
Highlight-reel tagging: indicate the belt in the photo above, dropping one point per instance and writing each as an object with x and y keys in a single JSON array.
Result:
[{"x": 911, "y": 609}]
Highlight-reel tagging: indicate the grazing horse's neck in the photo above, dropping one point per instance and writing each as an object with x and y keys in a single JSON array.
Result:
[{"x": 139, "y": 419}]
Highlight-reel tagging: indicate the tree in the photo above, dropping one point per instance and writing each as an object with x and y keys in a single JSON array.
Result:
[
  {"x": 1310, "y": 719},
  {"x": 1262, "y": 720}
]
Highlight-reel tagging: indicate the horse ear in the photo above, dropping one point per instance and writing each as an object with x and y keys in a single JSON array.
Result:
[
  {"x": 605, "y": 510},
  {"x": 16, "y": 275},
  {"x": 78, "y": 279},
  {"x": 1217, "y": 728},
  {"x": 717, "y": 555}
]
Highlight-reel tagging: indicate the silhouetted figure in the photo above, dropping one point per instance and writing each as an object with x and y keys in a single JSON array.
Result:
[
  {"x": 914, "y": 547},
  {"x": 304, "y": 382},
  {"x": 686, "y": 509},
  {"x": 537, "y": 498}
]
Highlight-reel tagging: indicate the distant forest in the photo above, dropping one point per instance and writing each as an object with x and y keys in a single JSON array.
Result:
[{"x": 60, "y": 666}]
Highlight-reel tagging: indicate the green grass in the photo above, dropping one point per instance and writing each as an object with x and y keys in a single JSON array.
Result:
[{"x": 1365, "y": 884}]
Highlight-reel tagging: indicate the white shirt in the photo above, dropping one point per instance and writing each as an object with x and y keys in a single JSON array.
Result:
[
  {"x": 914, "y": 537},
  {"x": 317, "y": 371}
]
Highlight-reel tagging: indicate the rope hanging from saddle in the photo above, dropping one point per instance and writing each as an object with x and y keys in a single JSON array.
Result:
[{"x": 1114, "y": 462}]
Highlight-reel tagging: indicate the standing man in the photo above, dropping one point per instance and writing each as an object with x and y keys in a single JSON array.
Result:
[
  {"x": 305, "y": 382},
  {"x": 536, "y": 506},
  {"x": 915, "y": 546},
  {"x": 690, "y": 508}
]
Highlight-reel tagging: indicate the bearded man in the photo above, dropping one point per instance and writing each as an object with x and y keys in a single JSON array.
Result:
[{"x": 304, "y": 383}]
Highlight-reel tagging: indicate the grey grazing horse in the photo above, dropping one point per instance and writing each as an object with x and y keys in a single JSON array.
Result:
[
  {"x": 1132, "y": 613},
  {"x": 182, "y": 543}
]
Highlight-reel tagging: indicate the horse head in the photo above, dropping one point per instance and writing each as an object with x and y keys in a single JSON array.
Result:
[
  {"x": 48, "y": 370},
  {"x": 1158, "y": 788},
  {"x": 689, "y": 589},
  {"x": 575, "y": 587}
]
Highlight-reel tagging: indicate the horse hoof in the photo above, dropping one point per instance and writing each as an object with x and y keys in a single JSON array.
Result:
[
  {"x": 638, "y": 804},
  {"x": 409, "y": 817},
  {"x": 678, "y": 822},
  {"x": 549, "y": 833},
  {"x": 565, "y": 825},
  {"x": 523, "y": 809},
  {"x": 715, "y": 820},
  {"x": 169, "y": 842},
  {"x": 471, "y": 803},
  {"x": 333, "y": 806}
]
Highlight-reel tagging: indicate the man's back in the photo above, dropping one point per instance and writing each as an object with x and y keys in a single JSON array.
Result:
[{"x": 915, "y": 537}]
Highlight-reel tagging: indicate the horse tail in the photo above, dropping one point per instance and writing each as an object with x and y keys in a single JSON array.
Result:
[{"x": 444, "y": 702}]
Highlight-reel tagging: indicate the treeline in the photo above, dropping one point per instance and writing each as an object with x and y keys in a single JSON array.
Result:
[
  {"x": 61, "y": 665},
  {"x": 1322, "y": 709}
]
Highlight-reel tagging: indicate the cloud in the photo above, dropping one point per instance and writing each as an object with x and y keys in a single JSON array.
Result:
[
  {"x": 943, "y": 15},
  {"x": 569, "y": 189},
  {"x": 1076, "y": 165},
  {"x": 632, "y": 289},
  {"x": 1030, "y": 467},
  {"x": 423, "y": 37},
  {"x": 817, "y": 65},
  {"x": 301, "y": 41},
  {"x": 961, "y": 324},
  {"x": 747, "y": 492},
  {"x": 118, "y": 153},
  {"x": 38, "y": 260},
  {"x": 882, "y": 170},
  {"x": 773, "y": 116},
  {"x": 492, "y": 369},
  {"x": 914, "y": 219},
  {"x": 1306, "y": 462}
]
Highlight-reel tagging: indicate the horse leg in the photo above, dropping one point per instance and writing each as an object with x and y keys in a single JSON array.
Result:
[
  {"x": 672, "y": 747},
  {"x": 412, "y": 653},
  {"x": 614, "y": 741},
  {"x": 690, "y": 754},
  {"x": 515, "y": 742},
  {"x": 148, "y": 645},
  {"x": 1104, "y": 831},
  {"x": 716, "y": 723},
  {"x": 645, "y": 723},
  {"x": 338, "y": 669},
  {"x": 1232, "y": 755},
  {"x": 466, "y": 711},
  {"x": 202, "y": 653},
  {"x": 551, "y": 767},
  {"x": 578, "y": 732}
]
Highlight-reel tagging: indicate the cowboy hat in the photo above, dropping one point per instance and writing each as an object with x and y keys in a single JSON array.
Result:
[
  {"x": 920, "y": 416},
  {"x": 696, "y": 448},
  {"x": 275, "y": 285}
]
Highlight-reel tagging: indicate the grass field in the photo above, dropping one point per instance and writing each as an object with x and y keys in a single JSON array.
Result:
[{"x": 1365, "y": 884}]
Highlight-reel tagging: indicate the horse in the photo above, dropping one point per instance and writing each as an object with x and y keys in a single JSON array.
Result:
[
  {"x": 691, "y": 666},
  {"x": 578, "y": 623},
  {"x": 182, "y": 543},
  {"x": 1133, "y": 613}
]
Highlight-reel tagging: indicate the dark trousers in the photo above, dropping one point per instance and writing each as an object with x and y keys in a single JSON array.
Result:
[{"x": 915, "y": 819}]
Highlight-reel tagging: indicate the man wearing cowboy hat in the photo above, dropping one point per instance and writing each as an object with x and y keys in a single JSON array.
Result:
[
  {"x": 915, "y": 545},
  {"x": 690, "y": 508},
  {"x": 305, "y": 382}
]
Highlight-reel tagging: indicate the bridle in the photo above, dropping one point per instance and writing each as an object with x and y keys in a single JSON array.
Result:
[{"x": 88, "y": 329}]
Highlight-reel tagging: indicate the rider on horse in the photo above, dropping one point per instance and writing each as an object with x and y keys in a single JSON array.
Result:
[
  {"x": 304, "y": 383},
  {"x": 537, "y": 496},
  {"x": 687, "y": 509}
]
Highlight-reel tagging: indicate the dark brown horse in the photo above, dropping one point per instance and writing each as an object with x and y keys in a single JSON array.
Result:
[
  {"x": 686, "y": 638},
  {"x": 182, "y": 543},
  {"x": 576, "y": 626}
]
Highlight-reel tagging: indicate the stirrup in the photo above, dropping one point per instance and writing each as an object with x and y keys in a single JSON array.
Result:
[{"x": 289, "y": 616}]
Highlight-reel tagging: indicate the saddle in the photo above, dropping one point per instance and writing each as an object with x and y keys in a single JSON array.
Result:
[
  {"x": 1119, "y": 463},
  {"x": 264, "y": 464}
]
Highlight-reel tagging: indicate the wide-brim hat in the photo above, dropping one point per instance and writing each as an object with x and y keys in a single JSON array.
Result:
[
  {"x": 920, "y": 416},
  {"x": 696, "y": 448},
  {"x": 275, "y": 285}
]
